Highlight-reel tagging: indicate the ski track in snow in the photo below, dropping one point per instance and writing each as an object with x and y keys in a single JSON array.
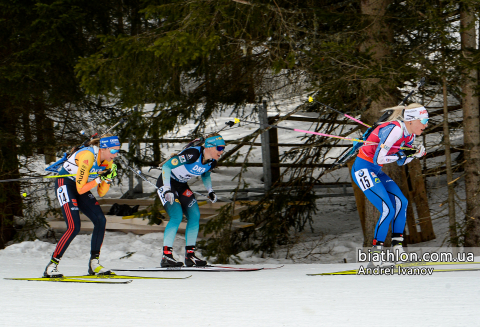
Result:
[{"x": 278, "y": 297}]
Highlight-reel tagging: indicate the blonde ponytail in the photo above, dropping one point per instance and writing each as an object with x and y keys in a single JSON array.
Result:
[
  {"x": 96, "y": 142},
  {"x": 397, "y": 114}
]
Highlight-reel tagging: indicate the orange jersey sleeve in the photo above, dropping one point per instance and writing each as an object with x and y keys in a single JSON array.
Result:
[
  {"x": 84, "y": 161},
  {"x": 103, "y": 187}
]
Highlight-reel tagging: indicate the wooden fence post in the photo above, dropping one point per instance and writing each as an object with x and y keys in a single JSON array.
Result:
[
  {"x": 274, "y": 152},
  {"x": 267, "y": 173}
]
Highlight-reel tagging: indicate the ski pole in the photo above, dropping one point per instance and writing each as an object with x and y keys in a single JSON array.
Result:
[
  {"x": 140, "y": 174},
  {"x": 198, "y": 193},
  {"x": 310, "y": 99},
  {"x": 327, "y": 135},
  {"x": 39, "y": 177},
  {"x": 121, "y": 121},
  {"x": 228, "y": 124},
  {"x": 218, "y": 197},
  {"x": 58, "y": 176},
  {"x": 84, "y": 144},
  {"x": 420, "y": 83}
]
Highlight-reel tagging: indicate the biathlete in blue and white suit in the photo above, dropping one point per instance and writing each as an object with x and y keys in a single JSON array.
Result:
[
  {"x": 178, "y": 199},
  {"x": 380, "y": 189}
]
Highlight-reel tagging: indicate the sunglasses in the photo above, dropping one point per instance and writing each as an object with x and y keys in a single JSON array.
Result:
[
  {"x": 424, "y": 121},
  {"x": 113, "y": 151},
  {"x": 220, "y": 148}
]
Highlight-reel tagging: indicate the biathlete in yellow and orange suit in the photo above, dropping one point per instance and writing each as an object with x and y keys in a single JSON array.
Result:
[{"x": 73, "y": 194}]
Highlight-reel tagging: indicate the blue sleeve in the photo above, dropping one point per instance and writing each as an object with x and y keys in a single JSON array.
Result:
[
  {"x": 167, "y": 171},
  {"x": 207, "y": 181}
]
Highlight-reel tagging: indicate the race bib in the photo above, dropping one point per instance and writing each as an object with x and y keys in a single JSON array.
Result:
[
  {"x": 62, "y": 195},
  {"x": 363, "y": 179},
  {"x": 161, "y": 195}
]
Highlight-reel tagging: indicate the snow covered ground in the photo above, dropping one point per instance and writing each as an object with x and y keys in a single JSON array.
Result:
[{"x": 279, "y": 297}]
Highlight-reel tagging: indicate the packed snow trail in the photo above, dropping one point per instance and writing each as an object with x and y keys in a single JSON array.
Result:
[{"x": 275, "y": 297}]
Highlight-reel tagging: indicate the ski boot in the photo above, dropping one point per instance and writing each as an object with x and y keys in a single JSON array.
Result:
[
  {"x": 51, "y": 270},
  {"x": 375, "y": 252},
  {"x": 95, "y": 268},
  {"x": 191, "y": 259},
  {"x": 168, "y": 260},
  {"x": 397, "y": 248}
]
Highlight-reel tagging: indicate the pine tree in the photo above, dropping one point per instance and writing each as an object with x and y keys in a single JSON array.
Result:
[{"x": 40, "y": 45}]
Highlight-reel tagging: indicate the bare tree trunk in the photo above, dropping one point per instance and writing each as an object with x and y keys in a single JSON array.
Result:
[
  {"x": 471, "y": 130},
  {"x": 377, "y": 32},
  {"x": 448, "y": 163},
  {"x": 418, "y": 193}
]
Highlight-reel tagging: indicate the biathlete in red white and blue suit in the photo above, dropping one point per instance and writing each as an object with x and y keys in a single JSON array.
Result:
[{"x": 377, "y": 186}]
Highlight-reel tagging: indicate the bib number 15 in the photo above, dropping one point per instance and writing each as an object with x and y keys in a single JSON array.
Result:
[{"x": 363, "y": 179}]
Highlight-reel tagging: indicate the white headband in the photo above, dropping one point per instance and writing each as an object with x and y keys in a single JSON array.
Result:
[{"x": 415, "y": 113}]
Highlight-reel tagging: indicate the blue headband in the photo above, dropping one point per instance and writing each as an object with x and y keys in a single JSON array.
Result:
[
  {"x": 216, "y": 140},
  {"x": 109, "y": 142}
]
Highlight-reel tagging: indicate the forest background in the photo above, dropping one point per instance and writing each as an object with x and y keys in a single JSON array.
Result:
[{"x": 67, "y": 65}]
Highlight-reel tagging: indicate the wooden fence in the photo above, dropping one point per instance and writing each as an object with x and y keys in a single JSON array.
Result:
[
  {"x": 419, "y": 229},
  {"x": 139, "y": 225}
]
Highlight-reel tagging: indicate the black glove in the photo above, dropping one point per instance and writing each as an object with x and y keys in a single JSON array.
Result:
[
  {"x": 109, "y": 174},
  {"x": 105, "y": 172},
  {"x": 212, "y": 196},
  {"x": 410, "y": 153}
]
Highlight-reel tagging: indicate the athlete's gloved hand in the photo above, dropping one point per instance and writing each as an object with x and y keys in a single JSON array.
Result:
[
  {"x": 108, "y": 175},
  {"x": 420, "y": 152},
  {"x": 212, "y": 196},
  {"x": 168, "y": 195},
  {"x": 409, "y": 153}
]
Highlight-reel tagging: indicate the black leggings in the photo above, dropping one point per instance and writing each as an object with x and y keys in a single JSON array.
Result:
[{"x": 71, "y": 202}]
